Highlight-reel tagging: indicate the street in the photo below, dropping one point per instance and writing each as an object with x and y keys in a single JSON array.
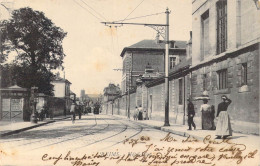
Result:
[
  {"x": 109, "y": 140},
  {"x": 95, "y": 133}
]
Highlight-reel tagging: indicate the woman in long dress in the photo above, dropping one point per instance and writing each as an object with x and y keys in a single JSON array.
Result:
[
  {"x": 223, "y": 128},
  {"x": 206, "y": 113}
]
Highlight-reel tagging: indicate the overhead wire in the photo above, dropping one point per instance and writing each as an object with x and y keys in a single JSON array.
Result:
[
  {"x": 139, "y": 17},
  {"x": 88, "y": 11},
  {"x": 133, "y": 10},
  {"x": 94, "y": 10}
]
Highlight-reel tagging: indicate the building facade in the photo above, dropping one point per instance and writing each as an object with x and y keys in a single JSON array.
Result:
[
  {"x": 137, "y": 56},
  {"x": 225, "y": 58},
  {"x": 62, "y": 90}
]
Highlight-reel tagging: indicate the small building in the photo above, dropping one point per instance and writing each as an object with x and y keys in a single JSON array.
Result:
[
  {"x": 62, "y": 91},
  {"x": 14, "y": 104}
]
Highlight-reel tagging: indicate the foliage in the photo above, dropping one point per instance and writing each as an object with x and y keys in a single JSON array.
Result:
[
  {"x": 22, "y": 76},
  {"x": 38, "y": 45}
]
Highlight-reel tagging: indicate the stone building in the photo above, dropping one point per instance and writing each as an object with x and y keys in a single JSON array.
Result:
[
  {"x": 225, "y": 58},
  {"x": 109, "y": 95}
]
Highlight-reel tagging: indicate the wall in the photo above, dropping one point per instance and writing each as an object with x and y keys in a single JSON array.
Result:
[
  {"x": 55, "y": 106},
  {"x": 244, "y": 109},
  {"x": 59, "y": 89},
  {"x": 156, "y": 110}
]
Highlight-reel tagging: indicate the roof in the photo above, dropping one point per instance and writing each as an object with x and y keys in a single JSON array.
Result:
[
  {"x": 151, "y": 44},
  {"x": 14, "y": 88},
  {"x": 59, "y": 79}
]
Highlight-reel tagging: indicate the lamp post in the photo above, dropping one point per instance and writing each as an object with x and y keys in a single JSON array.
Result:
[{"x": 34, "y": 101}]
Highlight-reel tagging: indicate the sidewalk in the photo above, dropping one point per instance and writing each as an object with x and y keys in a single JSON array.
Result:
[
  {"x": 198, "y": 133},
  {"x": 9, "y": 127}
]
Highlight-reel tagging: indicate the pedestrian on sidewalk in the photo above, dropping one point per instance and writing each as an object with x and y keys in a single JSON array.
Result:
[
  {"x": 140, "y": 113},
  {"x": 223, "y": 128},
  {"x": 191, "y": 114},
  {"x": 72, "y": 111},
  {"x": 136, "y": 113},
  {"x": 206, "y": 115}
]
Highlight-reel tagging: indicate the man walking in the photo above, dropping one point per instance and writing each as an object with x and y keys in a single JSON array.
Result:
[
  {"x": 72, "y": 111},
  {"x": 191, "y": 114}
]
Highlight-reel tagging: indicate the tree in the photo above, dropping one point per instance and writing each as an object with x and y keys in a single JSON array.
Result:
[{"x": 37, "y": 43}]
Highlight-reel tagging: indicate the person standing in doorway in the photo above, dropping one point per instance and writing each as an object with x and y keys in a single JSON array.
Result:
[
  {"x": 223, "y": 128},
  {"x": 191, "y": 114}
]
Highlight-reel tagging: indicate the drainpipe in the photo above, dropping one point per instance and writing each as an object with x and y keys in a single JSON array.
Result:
[{"x": 184, "y": 104}]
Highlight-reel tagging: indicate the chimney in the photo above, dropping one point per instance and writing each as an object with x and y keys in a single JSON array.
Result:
[{"x": 172, "y": 44}]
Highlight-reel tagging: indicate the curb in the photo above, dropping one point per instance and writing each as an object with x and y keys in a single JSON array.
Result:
[
  {"x": 28, "y": 128},
  {"x": 175, "y": 132}
]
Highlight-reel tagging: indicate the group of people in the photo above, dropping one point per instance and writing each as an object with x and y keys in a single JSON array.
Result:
[
  {"x": 75, "y": 109},
  {"x": 223, "y": 127},
  {"x": 138, "y": 115}
]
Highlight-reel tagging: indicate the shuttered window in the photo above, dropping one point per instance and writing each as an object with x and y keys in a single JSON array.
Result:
[
  {"x": 222, "y": 79},
  {"x": 221, "y": 26},
  {"x": 204, "y": 35}
]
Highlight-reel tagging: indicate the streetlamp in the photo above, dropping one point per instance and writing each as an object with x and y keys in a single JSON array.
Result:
[{"x": 34, "y": 101}]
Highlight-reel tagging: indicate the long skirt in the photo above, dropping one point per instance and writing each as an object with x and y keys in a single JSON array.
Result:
[
  {"x": 207, "y": 120},
  {"x": 223, "y": 125}
]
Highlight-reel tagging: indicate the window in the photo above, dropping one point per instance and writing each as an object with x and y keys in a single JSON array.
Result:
[
  {"x": 222, "y": 79},
  {"x": 204, "y": 34},
  {"x": 221, "y": 26},
  {"x": 204, "y": 78},
  {"x": 173, "y": 61},
  {"x": 244, "y": 74},
  {"x": 180, "y": 91}
]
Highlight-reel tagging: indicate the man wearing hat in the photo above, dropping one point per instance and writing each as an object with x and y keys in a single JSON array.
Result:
[
  {"x": 191, "y": 114},
  {"x": 223, "y": 128}
]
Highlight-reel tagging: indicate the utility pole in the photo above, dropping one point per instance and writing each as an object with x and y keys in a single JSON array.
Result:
[
  {"x": 163, "y": 30},
  {"x": 166, "y": 121}
]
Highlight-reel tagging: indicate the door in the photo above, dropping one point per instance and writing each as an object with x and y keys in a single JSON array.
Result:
[{"x": 12, "y": 109}]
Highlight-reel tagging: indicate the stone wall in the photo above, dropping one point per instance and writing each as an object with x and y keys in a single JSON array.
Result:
[{"x": 244, "y": 109}]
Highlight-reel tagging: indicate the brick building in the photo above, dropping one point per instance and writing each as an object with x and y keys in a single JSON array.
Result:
[
  {"x": 225, "y": 58},
  {"x": 136, "y": 56}
]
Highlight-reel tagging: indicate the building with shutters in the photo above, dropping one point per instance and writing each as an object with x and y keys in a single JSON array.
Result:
[{"x": 225, "y": 58}]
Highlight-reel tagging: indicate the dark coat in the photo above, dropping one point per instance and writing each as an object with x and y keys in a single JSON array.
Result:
[{"x": 191, "y": 110}]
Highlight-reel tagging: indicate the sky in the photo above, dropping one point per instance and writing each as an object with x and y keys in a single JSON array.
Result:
[{"x": 93, "y": 49}]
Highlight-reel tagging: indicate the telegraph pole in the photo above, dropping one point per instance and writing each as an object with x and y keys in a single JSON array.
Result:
[{"x": 163, "y": 30}]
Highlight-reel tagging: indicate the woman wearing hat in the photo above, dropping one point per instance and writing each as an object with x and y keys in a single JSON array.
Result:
[
  {"x": 223, "y": 128},
  {"x": 206, "y": 113}
]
